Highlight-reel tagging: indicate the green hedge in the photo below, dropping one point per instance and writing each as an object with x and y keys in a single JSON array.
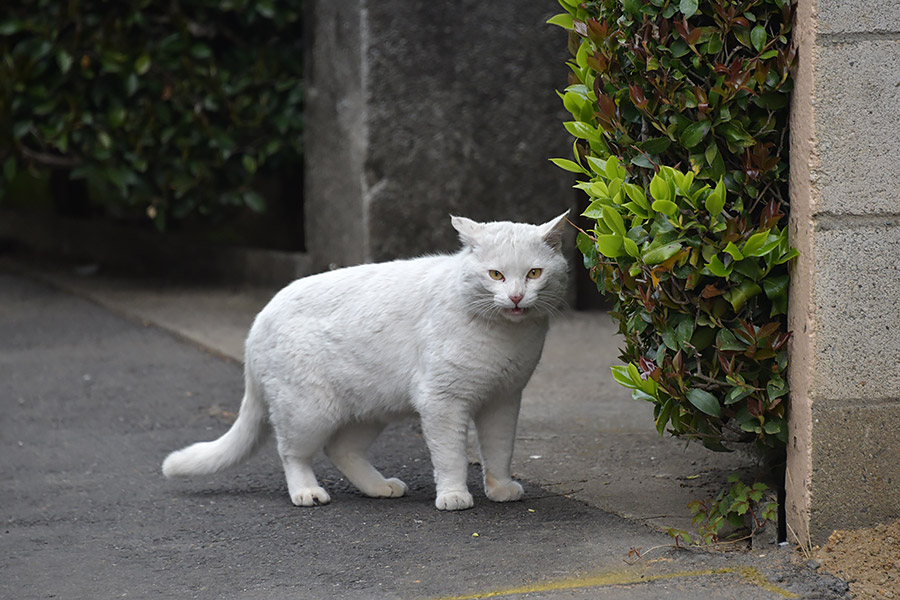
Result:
[
  {"x": 169, "y": 109},
  {"x": 680, "y": 117}
]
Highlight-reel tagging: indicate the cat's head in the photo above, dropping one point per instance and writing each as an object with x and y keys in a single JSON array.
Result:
[{"x": 513, "y": 271}]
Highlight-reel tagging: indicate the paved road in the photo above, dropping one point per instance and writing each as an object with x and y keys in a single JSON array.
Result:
[{"x": 91, "y": 402}]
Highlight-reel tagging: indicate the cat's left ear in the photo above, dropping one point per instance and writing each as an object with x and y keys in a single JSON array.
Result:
[
  {"x": 552, "y": 231},
  {"x": 468, "y": 229}
]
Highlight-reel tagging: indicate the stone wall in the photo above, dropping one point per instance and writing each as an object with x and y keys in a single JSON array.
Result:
[
  {"x": 844, "y": 451},
  {"x": 419, "y": 110}
]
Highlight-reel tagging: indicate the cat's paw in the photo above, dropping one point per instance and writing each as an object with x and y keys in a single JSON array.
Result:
[
  {"x": 509, "y": 491},
  {"x": 391, "y": 488},
  {"x": 454, "y": 501},
  {"x": 310, "y": 496}
]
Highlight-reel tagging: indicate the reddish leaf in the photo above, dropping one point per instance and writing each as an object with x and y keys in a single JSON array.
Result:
[
  {"x": 580, "y": 28},
  {"x": 607, "y": 105},
  {"x": 711, "y": 291}
]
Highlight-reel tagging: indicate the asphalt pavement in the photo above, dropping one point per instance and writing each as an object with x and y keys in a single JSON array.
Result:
[{"x": 96, "y": 388}]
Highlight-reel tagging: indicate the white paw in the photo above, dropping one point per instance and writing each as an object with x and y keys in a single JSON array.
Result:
[
  {"x": 391, "y": 488},
  {"x": 504, "y": 492},
  {"x": 454, "y": 501},
  {"x": 310, "y": 496}
]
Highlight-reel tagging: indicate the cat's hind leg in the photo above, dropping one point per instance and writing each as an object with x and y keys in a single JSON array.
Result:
[
  {"x": 347, "y": 450},
  {"x": 296, "y": 458}
]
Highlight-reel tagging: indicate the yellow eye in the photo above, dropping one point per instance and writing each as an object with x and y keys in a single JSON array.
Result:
[
  {"x": 534, "y": 273},
  {"x": 496, "y": 274}
]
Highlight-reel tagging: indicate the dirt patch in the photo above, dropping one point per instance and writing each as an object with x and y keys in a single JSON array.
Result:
[{"x": 868, "y": 559}]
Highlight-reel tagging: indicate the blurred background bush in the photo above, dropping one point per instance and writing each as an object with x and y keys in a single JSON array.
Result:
[{"x": 187, "y": 115}]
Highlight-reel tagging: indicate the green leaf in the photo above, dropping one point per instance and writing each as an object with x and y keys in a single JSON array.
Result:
[
  {"x": 776, "y": 388},
  {"x": 670, "y": 209},
  {"x": 714, "y": 160},
  {"x": 568, "y": 165},
  {"x": 610, "y": 245},
  {"x": 201, "y": 51},
  {"x": 614, "y": 220},
  {"x": 254, "y": 201},
  {"x": 131, "y": 84},
  {"x": 739, "y": 296},
  {"x": 104, "y": 140},
  {"x": 564, "y": 20},
  {"x": 663, "y": 419},
  {"x": 636, "y": 193},
  {"x": 581, "y": 130},
  {"x": 594, "y": 210},
  {"x": 654, "y": 256},
  {"x": 694, "y": 133},
  {"x": 715, "y": 201},
  {"x": 656, "y": 145},
  {"x": 735, "y": 133},
  {"x": 585, "y": 244},
  {"x": 755, "y": 243},
  {"x": 717, "y": 268},
  {"x": 705, "y": 402},
  {"x": 622, "y": 377},
  {"x": 684, "y": 331},
  {"x": 733, "y": 251},
  {"x": 613, "y": 169},
  {"x": 725, "y": 340},
  {"x": 659, "y": 188},
  {"x": 636, "y": 210},
  {"x": 64, "y": 60},
  {"x": 11, "y": 26},
  {"x": 142, "y": 64},
  {"x": 772, "y": 100},
  {"x": 249, "y": 163},
  {"x": 266, "y": 8},
  {"x": 631, "y": 6},
  {"x": 688, "y": 8},
  {"x": 631, "y": 248},
  {"x": 776, "y": 286},
  {"x": 758, "y": 37},
  {"x": 20, "y": 129},
  {"x": 736, "y": 394}
]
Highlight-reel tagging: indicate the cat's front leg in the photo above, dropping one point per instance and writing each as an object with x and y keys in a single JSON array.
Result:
[
  {"x": 496, "y": 427},
  {"x": 445, "y": 425}
]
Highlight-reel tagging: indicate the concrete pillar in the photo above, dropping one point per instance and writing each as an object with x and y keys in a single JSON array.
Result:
[
  {"x": 844, "y": 451},
  {"x": 416, "y": 110}
]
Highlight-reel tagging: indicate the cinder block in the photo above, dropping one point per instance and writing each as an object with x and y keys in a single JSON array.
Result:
[
  {"x": 857, "y": 16},
  {"x": 855, "y": 471},
  {"x": 857, "y": 95},
  {"x": 419, "y": 110},
  {"x": 855, "y": 310}
]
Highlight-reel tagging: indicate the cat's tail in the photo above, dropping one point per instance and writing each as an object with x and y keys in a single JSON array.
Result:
[{"x": 236, "y": 445}]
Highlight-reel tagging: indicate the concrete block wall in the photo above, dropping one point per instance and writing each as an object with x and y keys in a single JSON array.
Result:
[
  {"x": 416, "y": 110},
  {"x": 844, "y": 451}
]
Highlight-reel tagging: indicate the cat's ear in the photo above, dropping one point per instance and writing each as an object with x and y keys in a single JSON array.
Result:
[
  {"x": 552, "y": 231},
  {"x": 468, "y": 229}
]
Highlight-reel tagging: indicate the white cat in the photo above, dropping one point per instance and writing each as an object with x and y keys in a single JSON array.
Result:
[{"x": 335, "y": 357}]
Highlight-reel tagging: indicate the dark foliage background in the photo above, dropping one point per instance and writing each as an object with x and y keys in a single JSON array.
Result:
[{"x": 172, "y": 110}]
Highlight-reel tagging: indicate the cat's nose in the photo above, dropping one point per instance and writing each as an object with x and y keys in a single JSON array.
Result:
[{"x": 516, "y": 298}]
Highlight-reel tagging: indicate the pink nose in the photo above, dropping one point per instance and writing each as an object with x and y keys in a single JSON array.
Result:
[{"x": 516, "y": 298}]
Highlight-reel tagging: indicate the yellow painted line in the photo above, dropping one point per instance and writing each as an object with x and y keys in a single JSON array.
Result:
[{"x": 750, "y": 575}]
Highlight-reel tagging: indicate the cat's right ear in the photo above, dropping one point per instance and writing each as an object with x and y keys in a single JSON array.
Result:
[
  {"x": 468, "y": 229},
  {"x": 552, "y": 231}
]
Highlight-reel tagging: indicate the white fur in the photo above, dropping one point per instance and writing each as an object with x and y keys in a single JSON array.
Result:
[{"x": 337, "y": 356}]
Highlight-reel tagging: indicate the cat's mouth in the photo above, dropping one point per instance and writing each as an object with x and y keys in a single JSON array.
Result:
[{"x": 518, "y": 311}]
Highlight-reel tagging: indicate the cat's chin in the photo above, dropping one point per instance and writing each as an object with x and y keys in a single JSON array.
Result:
[{"x": 516, "y": 314}]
